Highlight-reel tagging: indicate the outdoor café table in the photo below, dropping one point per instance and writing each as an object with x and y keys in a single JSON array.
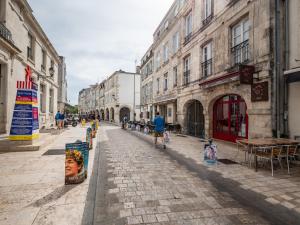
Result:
[{"x": 264, "y": 142}]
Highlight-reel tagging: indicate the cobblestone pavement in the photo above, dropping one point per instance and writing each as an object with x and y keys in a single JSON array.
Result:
[
  {"x": 141, "y": 184},
  {"x": 281, "y": 190},
  {"x": 32, "y": 189}
]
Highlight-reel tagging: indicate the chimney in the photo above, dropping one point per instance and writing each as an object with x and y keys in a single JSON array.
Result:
[{"x": 138, "y": 70}]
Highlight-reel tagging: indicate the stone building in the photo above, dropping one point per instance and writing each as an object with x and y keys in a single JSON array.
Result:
[
  {"x": 292, "y": 66},
  {"x": 216, "y": 82},
  {"x": 122, "y": 96},
  {"x": 147, "y": 66},
  {"x": 23, "y": 43},
  {"x": 113, "y": 98},
  {"x": 63, "y": 85}
]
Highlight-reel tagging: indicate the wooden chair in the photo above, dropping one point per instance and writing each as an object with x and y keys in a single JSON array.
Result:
[{"x": 270, "y": 153}]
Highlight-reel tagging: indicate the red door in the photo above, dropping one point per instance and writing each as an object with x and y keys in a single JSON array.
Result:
[{"x": 230, "y": 120}]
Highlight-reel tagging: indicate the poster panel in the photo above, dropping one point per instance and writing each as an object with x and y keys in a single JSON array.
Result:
[{"x": 74, "y": 163}]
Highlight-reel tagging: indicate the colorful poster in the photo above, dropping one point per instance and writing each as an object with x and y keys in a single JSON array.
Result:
[
  {"x": 25, "y": 121},
  {"x": 74, "y": 163},
  {"x": 86, "y": 157},
  {"x": 89, "y": 138}
]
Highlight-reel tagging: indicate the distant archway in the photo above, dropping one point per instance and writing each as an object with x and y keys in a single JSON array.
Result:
[
  {"x": 124, "y": 111},
  {"x": 107, "y": 114},
  {"x": 112, "y": 113},
  {"x": 194, "y": 121}
]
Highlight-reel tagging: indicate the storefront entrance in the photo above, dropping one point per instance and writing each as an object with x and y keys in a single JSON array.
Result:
[
  {"x": 230, "y": 120},
  {"x": 195, "y": 119}
]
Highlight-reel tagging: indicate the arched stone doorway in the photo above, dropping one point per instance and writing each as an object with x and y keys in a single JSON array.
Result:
[
  {"x": 107, "y": 114},
  {"x": 195, "y": 119},
  {"x": 124, "y": 111},
  {"x": 230, "y": 119},
  {"x": 112, "y": 114},
  {"x": 102, "y": 114}
]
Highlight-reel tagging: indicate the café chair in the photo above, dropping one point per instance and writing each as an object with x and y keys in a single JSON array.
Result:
[{"x": 270, "y": 153}]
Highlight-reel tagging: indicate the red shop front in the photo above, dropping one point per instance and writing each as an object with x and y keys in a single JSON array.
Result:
[{"x": 230, "y": 119}]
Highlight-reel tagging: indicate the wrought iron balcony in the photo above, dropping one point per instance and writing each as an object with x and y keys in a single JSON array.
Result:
[
  {"x": 186, "y": 77},
  {"x": 207, "y": 20},
  {"x": 187, "y": 38},
  {"x": 207, "y": 68},
  {"x": 5, "y": 33},
  {"x": 240, "y": 53}
]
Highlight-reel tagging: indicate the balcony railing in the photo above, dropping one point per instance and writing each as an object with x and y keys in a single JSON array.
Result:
[
  {"x": 207, "y": 20},
  {"x": 186, "y": 77},
  {"x": 5, "y": 33},
  {"x": 240, "y": 53},
  {"x": 187, "y": 38},
  {"x": 207, "y": 68}
]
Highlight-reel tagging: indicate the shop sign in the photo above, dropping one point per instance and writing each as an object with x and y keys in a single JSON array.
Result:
[
  {"x": 246, "y": 74},
  {"x": 260, "y": 92}
]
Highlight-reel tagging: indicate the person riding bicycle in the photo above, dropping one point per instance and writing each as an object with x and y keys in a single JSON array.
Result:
[{"x": 159, "y": 124}]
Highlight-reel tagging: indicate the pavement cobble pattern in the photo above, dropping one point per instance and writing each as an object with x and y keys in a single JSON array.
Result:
[{"x": 144, "y": 185}]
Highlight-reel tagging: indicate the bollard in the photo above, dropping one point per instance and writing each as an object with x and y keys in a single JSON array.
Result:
[{"x": 89, "y": 138}]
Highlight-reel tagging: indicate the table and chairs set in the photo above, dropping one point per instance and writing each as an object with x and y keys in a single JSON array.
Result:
[{"x": 268, "y": 151}]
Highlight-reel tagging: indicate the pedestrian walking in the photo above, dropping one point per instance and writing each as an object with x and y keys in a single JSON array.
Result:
[
  {"x": 57, "y": 117},
  {"x": 61, "y": 120},
  {"x": 159, "y": 127}
]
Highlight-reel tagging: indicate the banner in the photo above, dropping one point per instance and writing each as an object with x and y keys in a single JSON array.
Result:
[
  {"x": 76, "y": 162},
  {"x": 25, "y": 121}
]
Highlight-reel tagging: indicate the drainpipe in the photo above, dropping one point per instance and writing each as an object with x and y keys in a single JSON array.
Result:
[
  {"x": 286, "y": 66},
  {"x": 276, "y": 80}
]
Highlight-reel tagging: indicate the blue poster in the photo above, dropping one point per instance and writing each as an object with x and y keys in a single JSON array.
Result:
[
  {"x": 21, "y": 130},
  {"x": 21, "y": 122},
  {"x": 22, "y": 114},
  {"x": 75, "y": 168},
  {"x": 27, "y": 107}
]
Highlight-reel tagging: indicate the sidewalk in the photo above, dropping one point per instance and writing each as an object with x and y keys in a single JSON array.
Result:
[
  {"x": 282, "y": 189},
  {"x": 32, "y": 189}
]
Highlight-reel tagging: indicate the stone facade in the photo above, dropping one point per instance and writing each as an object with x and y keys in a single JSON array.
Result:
[
  {"x": 24, "y": 43},
  {"x": 113, "y": 98},
  {"x": 292, "y": 70},
  {"x": 215, "y": 39},
  {"x": 63, "y": 85}
]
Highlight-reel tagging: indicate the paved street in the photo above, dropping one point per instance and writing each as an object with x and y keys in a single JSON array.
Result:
[
  {"x": 32, "y": 190},
  {"x": 140, "y": 184}
]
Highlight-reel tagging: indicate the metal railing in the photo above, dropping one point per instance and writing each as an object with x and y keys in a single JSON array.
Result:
[
  {"x": 5, "y": 33},
  {"x": 240, "y": 53},
  {"x": 207, "y": 68},
  {"x": 207, "y": 20},
  {"x": 187, "y": 38},
  {"x": 186, "y": 77}
]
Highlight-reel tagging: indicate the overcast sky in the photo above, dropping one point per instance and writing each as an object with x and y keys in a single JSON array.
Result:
[{"x": 98, "y": 37}]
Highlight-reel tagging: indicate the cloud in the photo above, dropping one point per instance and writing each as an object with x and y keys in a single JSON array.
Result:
[{"x": 98, "y": 37}]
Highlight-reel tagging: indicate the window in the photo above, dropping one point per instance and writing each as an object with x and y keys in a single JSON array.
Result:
[
  {"x": 51, "y": 100},
  {"x": 169, "y": 112},
  {"x": 44, "y": 58},
  {"x": 166, "y": 81},
  {"x": 175, "y": 42},
  {"x": 208, "y": 11},
  {"x": 30, "y": 48},
  {"x": 188, "y": 27},
  {"x": 157, "y": 60},
  {"x": 186, "y": 74},
  {"x": 175, "y": 76},
  {"x": 157, "y": 81},
  {"x": 166, "y": 52},
  {"x": 240, "y": 42},
  {"x": 42, "y": 98},
  {"x": 207, "y": 60}
]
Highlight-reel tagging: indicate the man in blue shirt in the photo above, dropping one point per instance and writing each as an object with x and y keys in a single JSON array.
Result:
[{"x": 159, "y": 124}]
